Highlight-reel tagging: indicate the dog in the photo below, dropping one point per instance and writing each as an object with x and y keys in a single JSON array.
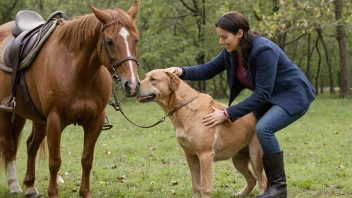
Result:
[{"x": 203, "y": 145}]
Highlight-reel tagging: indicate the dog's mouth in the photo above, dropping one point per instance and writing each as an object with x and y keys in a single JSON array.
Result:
[{"x": 148, "y": 98}]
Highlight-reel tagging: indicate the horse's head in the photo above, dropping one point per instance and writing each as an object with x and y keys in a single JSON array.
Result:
[{"x": 117, "y": 46}]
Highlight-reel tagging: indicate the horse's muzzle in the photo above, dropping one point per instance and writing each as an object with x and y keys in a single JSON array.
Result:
[{"x": 131, "y": 89}]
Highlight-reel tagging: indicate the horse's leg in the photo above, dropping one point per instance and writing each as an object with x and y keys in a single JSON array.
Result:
[
  {"x": 91, "y": 133},
  {"x": 54, "y": 130},
  {"x": 10, "y": 129},
  {"x": 33, "y": 143},
  {"x": 12, "y": 179}
]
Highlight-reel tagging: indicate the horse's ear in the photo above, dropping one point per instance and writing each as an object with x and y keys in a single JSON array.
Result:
[
  {"x": 101, "y": 15},
  {"x": 133, "y": 10},
  {"x": 174, "y": 82}
]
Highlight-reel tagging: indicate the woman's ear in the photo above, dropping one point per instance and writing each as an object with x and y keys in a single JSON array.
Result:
[
  {"x": 240, "y": 33},
  {"x": 174, "y": 81}
]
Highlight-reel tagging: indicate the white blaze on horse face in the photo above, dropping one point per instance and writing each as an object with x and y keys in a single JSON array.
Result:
[{"x": 124, "y": 33}]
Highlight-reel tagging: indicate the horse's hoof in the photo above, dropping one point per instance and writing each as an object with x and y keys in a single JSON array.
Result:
[
  {"x": 16, "y": 189},
  {"x": 32, "y": 193}
]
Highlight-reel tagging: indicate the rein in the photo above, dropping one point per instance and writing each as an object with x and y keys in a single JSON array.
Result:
[{"x": 117, "y": 106}]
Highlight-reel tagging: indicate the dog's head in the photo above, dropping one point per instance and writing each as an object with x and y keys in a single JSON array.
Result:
[{"x": 157, "y": 86}]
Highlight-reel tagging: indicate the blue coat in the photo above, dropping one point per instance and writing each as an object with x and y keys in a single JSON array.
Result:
[{"x": 272, "y": 75}]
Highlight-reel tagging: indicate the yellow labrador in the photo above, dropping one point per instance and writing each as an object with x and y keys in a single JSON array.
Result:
[{"x": 203, "y": 145}]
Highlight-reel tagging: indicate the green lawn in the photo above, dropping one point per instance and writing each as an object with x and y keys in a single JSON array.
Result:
[{"x": 134, "y": 162}]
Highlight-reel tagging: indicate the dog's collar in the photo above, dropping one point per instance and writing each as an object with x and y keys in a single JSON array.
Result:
[{"x": 179, "y": 107}]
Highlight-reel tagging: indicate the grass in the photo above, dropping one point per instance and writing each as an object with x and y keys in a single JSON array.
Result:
[{"x": 141, "y": 163}]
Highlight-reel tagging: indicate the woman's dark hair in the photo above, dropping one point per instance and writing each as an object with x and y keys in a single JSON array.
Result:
[{"x": 232, "y": 22}]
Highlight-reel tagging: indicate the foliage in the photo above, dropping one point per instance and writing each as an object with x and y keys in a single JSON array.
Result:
[{"x": 171, "y": 36}]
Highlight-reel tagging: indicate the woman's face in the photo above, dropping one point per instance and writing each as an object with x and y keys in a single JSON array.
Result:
[{"x": 230, "y": 41}]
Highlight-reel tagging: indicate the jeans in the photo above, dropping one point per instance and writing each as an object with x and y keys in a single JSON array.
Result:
[{"x": 272, "y": 118}]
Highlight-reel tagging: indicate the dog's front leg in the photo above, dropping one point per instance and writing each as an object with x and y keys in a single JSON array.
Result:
[
  {"x": 206, "y": 167},
  {"x": 194, "y": 166}
]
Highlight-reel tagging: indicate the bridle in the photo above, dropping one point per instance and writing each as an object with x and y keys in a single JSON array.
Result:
[
  {"x": 116, "y": 79},
  {"x": 113, "y": 72}
]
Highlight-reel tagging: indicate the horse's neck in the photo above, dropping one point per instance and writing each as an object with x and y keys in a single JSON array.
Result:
[
  {"x": 82, "y": 46},
  {"x": 87, "y": 63}
]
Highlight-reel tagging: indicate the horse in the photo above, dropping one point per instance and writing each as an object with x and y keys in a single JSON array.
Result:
[{"x": 69, "y": 82}]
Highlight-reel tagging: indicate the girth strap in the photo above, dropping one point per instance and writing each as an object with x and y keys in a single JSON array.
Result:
[{"x": 27, "y": 98}]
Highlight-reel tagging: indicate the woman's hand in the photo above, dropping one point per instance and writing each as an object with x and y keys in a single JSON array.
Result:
[
  {"x": 214, "y": 118},
  {"x": 175, "y": 70}
]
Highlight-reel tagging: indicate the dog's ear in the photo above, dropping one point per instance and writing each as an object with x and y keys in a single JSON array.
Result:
[{"x": 174, "y": 81}]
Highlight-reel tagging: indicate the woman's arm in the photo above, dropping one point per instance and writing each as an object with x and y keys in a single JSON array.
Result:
[{"x": 206, "y": 71}]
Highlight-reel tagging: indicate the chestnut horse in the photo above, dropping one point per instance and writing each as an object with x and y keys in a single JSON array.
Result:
[{"x": 69, "y": 82}]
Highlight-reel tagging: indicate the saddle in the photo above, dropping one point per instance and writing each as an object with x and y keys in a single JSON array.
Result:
[{"x": 30, "y": 31}]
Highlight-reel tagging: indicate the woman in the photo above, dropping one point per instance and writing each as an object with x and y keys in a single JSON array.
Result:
[{"x": 281, "y": 92}]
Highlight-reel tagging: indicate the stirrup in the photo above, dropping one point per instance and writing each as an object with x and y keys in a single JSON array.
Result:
[
  {"x": 107, "y": 125},
  {"x": 8, "y": 104}
]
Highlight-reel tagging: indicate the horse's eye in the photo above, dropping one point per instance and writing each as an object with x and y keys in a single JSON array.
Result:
[{"x": 109, "y": 41}]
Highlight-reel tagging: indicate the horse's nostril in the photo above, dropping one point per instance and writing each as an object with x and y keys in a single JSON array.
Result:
[{"x": 127, "y": 86}]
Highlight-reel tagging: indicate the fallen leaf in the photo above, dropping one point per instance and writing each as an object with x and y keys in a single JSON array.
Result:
[
  {"x": 60, "y": 179},
  {"x": 174, "y": 183},
  {"x": 151, "y": 147},
  {"x": 340, "y": 166}
]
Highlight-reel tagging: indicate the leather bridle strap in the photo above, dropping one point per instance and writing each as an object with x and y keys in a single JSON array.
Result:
[
  {"x": 117, "y": 106},
  {"x": 113, "y": 65}
]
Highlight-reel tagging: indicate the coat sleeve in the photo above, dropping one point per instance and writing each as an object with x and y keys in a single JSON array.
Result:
[
  {"x": 265, "y": 68},
  {"x": 205, "y": 71}
]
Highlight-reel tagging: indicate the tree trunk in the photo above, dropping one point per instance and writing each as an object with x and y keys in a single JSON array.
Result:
[
  {"x": 345, "y": 86},
  {"x": 318, "y": 67},
  {"x": 308, "y": 58},
  {"x": 320, "y": 34},
  {"x": 199, "y": 13}
]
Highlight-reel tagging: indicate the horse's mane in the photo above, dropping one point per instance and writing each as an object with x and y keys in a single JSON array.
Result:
[{"x": 76, "y": 32}]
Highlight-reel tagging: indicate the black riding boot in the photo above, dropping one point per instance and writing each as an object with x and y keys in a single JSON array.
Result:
[{"x": 275, "y": 172}]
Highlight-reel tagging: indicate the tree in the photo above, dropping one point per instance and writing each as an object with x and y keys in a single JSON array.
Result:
[{"x": 345, "y": 88}]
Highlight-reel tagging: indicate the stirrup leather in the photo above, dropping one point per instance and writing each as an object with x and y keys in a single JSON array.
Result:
[{"x": 8, "y": 104}]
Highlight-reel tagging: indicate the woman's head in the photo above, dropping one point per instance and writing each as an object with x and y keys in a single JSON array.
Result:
[
  {"x": 232, "y": 22},
  {"x": 234, "y": 33}
]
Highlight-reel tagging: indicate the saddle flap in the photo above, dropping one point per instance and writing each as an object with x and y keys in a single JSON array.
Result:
[{"x": 26, "y": 20}]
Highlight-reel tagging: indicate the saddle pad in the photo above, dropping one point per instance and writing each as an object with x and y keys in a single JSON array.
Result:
[{"x": 26, "y": 62}]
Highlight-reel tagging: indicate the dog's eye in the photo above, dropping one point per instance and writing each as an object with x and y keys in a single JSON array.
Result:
[{"x": 152, "y": 79}]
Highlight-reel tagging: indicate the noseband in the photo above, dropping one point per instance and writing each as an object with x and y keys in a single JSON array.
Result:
[{"x": 111, "y": 63}]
